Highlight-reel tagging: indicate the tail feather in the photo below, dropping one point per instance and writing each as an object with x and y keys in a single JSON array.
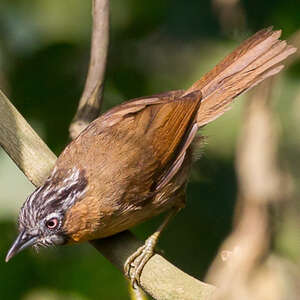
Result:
[{"x": 253, "y": 61}]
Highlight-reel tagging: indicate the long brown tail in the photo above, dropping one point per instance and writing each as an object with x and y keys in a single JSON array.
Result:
[{"x": 253, "y": 61}]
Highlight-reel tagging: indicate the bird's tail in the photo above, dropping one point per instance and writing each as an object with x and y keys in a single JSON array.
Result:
[{"x": 256, "y": 59}]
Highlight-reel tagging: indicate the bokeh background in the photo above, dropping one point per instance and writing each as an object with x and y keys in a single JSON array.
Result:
[{"x": 155, "y": 46}]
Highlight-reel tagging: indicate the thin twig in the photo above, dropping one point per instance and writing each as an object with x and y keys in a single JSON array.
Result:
[{"x": 90, "y": 102}]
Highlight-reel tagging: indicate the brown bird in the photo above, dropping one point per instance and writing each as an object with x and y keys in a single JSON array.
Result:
[{"x": 133, "y": 162}]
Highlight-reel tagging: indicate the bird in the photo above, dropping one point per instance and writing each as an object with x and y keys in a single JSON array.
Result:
[{"x": 133, "y": 162}]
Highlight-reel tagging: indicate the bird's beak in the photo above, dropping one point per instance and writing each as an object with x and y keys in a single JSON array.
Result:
[{"x": 24, "y": 240}]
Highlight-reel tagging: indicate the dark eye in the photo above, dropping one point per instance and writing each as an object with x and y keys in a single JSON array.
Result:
[{"x": 52, "y": 223}]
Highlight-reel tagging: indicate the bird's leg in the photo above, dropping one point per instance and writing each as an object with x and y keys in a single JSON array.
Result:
[{"x": 139, "y": 258}]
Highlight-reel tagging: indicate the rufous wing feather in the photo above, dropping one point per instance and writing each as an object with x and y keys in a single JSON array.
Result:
[{"x": 170, "y": 122}]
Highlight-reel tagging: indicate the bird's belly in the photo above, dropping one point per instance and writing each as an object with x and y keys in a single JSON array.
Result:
[
  {"x": 132, "y": 216},
  {"x": 91, "y": 226},
  {"x": 117, "y": 211}
]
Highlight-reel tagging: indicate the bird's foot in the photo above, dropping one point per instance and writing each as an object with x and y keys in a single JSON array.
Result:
[{"x": 135, "y": 263}]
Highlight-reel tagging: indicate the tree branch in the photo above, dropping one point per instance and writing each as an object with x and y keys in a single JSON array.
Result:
[
  {"x": 90, "y": 102},
  {"x": 23, "y": 145},
  {"x": 159, "y": 278}
]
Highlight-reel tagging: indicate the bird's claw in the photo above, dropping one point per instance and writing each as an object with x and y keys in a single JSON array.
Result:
[{"x": 135, "y": 263}]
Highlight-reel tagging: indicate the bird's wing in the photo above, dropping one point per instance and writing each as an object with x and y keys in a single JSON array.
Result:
[
  {"x": 162, "y": 131},
  {"x": 172, "y": 131},
  {"x": 116, "y": 114}
]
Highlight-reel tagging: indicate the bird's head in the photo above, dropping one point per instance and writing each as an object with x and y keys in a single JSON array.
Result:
[{"x": 42, "y": 216}]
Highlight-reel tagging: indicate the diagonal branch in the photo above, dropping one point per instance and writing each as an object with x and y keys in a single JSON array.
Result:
[{"x": 23, "y": 145}]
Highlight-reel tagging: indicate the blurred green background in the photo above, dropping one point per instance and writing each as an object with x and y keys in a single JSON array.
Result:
[{"x": 155, "y": 46}]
